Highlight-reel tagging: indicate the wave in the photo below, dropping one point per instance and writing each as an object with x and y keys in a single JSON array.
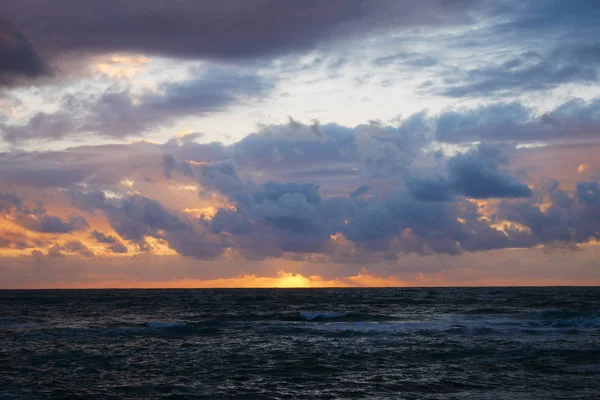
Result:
[
  {"x": 565, "y": 319},
  {"x": 314, "y": 316},
  {"x": 17, "y": 323},
  {"x": 374, "y": 327},
  {"x": 323, "y": 316},
  {"x": 548, "y": 322},
  {"x": 20, "y": 325},
  {"x": 164, "y": 325}
]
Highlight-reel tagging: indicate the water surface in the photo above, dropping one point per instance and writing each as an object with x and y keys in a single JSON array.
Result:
[{"x": 471, "y": 343}]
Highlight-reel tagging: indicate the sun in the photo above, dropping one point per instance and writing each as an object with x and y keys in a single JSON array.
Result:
[{"x": 289, "y": 280}]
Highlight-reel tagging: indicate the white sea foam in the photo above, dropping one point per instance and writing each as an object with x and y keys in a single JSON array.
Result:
[{"x": 310, "y": 316}]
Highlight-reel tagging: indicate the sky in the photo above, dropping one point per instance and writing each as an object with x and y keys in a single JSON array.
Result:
[{"x": 299, "y": 143}]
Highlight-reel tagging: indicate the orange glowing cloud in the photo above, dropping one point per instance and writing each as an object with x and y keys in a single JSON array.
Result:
[
  {"x": 118, "y": 66},
  {"x": 583, "y": 167}
]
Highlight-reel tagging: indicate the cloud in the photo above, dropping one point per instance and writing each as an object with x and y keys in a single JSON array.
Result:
[
  {"x": 531, "y": 72},
  {"x": 475, "y": 174},
  {"x": 273, "y": 218},
  {"x": 574, "y": 120},
  {"x": 85, "y": 165},
  {"x": 405, "y": 197},
  {"x": 10, "y": 202},
  {"x": 122, "y": 113},
  {"x": 237, "y": 30},
  {"x": 430, "y": 189},
  {"x": 135, "y": 218},
  {"x": 360, "y": 191},
  {"x": 37, "y": 218},
  {"x": 19, "y": 240},
  {"x": 18, "y": 57},
  {"x": 114, "y": 245},
  {"x": 52, "y": 224},
  {"x": 569, "y": 218},
  {"x": 75, "y": 246},
  {"x": 529, "y": 47},
  {"x": 102, "y": 238}
]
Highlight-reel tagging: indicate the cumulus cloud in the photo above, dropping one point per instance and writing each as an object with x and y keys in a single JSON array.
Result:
[
  {"x": 403, "y": 195},
  {"x": 571, "y": 217},
  {"x": 135, "y": 218},
  {"x": 473, "y": 174},
  {"x": 273, "y": 218}
]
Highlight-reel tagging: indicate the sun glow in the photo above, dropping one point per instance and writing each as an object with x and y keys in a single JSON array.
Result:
[
  {"x": 283, "y": 280},
  {"x": 206, "y": 212}
]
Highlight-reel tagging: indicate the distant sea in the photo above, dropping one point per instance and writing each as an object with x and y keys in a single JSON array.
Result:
[{"x": 467, "y": 343}]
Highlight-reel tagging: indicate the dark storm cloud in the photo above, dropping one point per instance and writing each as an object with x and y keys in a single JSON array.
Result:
[
  {"x": 239, "y": 29},
  {"x": 121, "y": 113},
  {"x": 18, "y": 57}
]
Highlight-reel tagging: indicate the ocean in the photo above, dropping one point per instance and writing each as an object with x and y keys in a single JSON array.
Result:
[{"x": 421, "y": 343}]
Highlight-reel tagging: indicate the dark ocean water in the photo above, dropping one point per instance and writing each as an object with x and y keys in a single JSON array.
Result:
[{"x": 484, "y": 343}]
